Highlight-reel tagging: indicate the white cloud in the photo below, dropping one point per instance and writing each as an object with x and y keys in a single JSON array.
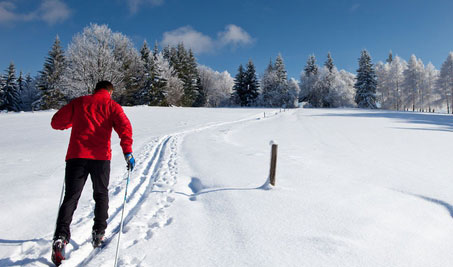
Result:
[
  {"x": 201, "y": 43},
  {"x": 134, "y": 5},
  {"x": 234, "y": 35},
  {"x": 50, "y": 11},
  {"x": 6, "y": 12},
  {"x": 197, "y": 41}
]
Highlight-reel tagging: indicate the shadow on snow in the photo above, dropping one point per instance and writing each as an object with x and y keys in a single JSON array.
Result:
[
  {"x": 441, "y": 203},
  {"x": 430, "y": 119},
  {"x": 199, "y": 189}
]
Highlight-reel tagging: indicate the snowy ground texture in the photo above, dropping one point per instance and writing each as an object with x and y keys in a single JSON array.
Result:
[{"x": 354, "y": 188}]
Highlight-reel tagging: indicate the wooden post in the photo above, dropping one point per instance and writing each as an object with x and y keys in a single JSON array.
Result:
[{"x": 273, "y": 164}]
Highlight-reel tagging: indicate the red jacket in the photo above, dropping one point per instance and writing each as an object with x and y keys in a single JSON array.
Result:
[{"x": 92, "y": 118}]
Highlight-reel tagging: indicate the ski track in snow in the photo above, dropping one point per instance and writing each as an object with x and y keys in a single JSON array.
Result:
[{"x": 150, "y": 194}]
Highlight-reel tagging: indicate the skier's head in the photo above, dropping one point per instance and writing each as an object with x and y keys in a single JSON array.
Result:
[{"x": 104, "y": 85}]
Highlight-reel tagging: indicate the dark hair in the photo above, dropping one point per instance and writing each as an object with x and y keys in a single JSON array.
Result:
[{"x": 104, "y": 85}]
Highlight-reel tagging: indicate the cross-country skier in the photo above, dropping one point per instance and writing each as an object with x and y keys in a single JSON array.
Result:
[{"x": 92, "y": 119}]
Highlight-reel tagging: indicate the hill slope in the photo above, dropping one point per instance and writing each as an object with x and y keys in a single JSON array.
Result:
[{"x": 354, "y": 188}]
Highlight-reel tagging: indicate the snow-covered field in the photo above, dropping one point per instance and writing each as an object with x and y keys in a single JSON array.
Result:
[{"x": 354, "y": 188}]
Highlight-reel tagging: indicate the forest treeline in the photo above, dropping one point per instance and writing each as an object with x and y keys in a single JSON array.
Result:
[{"x": 171, "y": 76}]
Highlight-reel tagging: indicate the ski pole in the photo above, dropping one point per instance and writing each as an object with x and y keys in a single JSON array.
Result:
[
  {"x": 122, "y": 214},
  {"x": 61, "y": 200}
]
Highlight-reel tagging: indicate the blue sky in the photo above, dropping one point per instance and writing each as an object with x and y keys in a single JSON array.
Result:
[{"x": 225, "y": 34}]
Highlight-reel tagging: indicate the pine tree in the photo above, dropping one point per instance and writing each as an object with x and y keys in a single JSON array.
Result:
[
  {"x": 200, "y": 94},
  {"x": 30, "y": 93},
  {"x": 155, "y": 50},
  {"x": 390, "y": 58},
  {"x": 311, "y": 68},
  {"x": 131, "y": 69},
  {"x": 327, "y": 83},
  {"x": 365, "y": 82},
  {"x": 11, "y": 94},
  {"x": 143, "y": 94},
  {"x": 251, "y": 84},
  {"x": 166, "y": 52},
  {"x": 185, "y": 64},
  {"x": 2, "y": 92},
  {"x": 51, "y": 78},
  {"x": 275, "y": 85},
  {"x": 239, "y": 96},
  {"x": 20, "y": 82},
  {"x": 310, "y": 90},
  {"x": 280, "y": 70},
  {"x": 178, "y": 57},
  {"x": 154, "y": 81},
  {"x": 267, "y": 84},
  {"x": 329, "y": 63},
  {"x": 157, "y": 94},
  {"x": 282, "y": 82},
  {"x": 167, "y": 81},
  {"x": 200, "y": 99}
]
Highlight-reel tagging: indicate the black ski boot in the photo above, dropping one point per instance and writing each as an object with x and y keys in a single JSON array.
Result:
[
  {"x": 98, "y": 238},
  {"x": 58, "y": 249}
]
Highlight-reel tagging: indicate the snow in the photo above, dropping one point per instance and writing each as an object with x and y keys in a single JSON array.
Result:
[{"x": 353, "y": 188}]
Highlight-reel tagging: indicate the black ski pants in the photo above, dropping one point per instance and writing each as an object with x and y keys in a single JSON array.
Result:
[{"x": 77, "y": 171}]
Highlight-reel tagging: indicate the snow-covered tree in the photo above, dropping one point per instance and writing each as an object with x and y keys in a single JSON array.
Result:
[
  {"x": 11, "y": 100},
  {"x": 131, "y": 68},
  {"x": 51, "y": 80},
  {"x": 329, "y": 62},
  {"x": 336, "y": 88},
  {"x": 218, "y": 86},
  {"x": 274, "y": 85},
  {"x": 326, "y": 83},
  {"x": 267, "y": 83},
  {"x": 280, "y": 70},
  {"x": 346, "y": 90},
  {"x": 225, "y": 85},
  {"x": 382, "y": 87},
  {"x": 185, "y": 65},
  {"x": 445, "y": 81},
  {"x": 390, "y": 89},
  {"x": 99, "y": 54},
  {"x": 293, "y": 93},
  {"x": 309, "y": 80},
  {"x": 142, "y": 95},
  {"x": 30, "y": 93},
  {"x": 395, "y": 83},
  {"x": 168, "y": 82},
  {"x": 2, "y": 92},
  {"x": 365, "y": 82},
  {"x": 413, "y": 82},
  {"x": 430, "y": 80}
]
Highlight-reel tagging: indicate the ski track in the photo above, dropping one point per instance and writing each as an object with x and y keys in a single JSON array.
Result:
[{"x": 150, "y": 193}]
